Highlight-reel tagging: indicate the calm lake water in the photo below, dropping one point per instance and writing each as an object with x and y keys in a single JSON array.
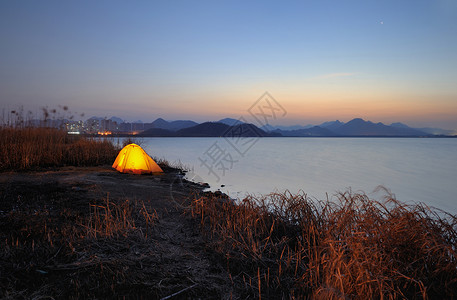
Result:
[{"x": 413, "y": 169}]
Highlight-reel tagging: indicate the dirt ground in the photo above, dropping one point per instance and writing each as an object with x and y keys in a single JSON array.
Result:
[{"x": 151, "y": 261}]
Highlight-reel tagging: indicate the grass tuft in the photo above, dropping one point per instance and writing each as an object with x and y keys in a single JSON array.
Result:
[{"x": 290, "y": 246}]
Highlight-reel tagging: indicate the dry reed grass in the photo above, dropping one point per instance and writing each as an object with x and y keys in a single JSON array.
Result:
[
  {"x": 290, "y": 246},
  {"x": 65, "y": 253},
  {"x": 26, "y": 148},
  {"x": 116, "y": 220}
]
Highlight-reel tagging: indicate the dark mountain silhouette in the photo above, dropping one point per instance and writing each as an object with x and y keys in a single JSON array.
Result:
[
  {"x": 157, "y": 132},
  {"x": 172, "y": 125},
  {"x": 160, "y": 123},
  {"x": 249, "y": 130},
  {"x": 181, "y": 124},
  {"x": 211, "y": 129},
  {"x": 268, "y": 128},
  {"x": 313, "y": 131},
  {"x": 206, "y": 129},
  {"x": 399, "y": 125},
  {"x": 215, "y": 129},
  {"x": 360, "y": 127},
  {"x": 332, "y": 125},
  {"x": 230, "y": 121}
]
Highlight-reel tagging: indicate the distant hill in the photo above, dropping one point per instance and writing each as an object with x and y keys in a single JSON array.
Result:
[
  {"x": 360, "y": 127},
  {"x": 216, "y": 129},
  {"x": 173, "y": 125},
  {"x": 332, "y": 125},
  {"x": 210, "y": 129},
  {"x": 157, "y": 132},
  {"x": 207, "y": 129},
  {"x": 250, "y": 130},
  {"x": 399, "y": 125},
  {"x": 230, "y": 121},
  {"x": 160, "y": 123},
  {"x": 181, "y": 124}
]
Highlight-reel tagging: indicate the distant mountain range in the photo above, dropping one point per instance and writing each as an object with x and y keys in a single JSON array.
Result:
[
  {"x": 210, "y": 129},
  {"x": 360, "y": 127},
  {"x": 354, "y": 128},
  {"x": 429, "y": 130}
]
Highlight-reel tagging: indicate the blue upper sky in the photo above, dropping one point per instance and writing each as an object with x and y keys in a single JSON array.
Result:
[{"x": 380, "y": 60}]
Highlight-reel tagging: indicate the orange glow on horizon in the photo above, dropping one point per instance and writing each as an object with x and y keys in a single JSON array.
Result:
[{"x": 306, "y": 105}]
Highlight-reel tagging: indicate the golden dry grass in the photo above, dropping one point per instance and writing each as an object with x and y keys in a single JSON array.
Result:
[
  {"x": 28, "y": 148},
  {"x": 289, "y": 246},
  {"x": 115, "y": 220}
]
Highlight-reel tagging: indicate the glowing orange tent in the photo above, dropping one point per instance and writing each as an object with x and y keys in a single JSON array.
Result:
[{"x": 133, "y": 159}]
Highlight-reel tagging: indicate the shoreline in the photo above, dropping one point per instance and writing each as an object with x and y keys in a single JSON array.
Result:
[{"x": 156, "y": 255}]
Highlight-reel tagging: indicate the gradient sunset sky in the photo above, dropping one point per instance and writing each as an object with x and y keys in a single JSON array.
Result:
[{"x": 385, "y": 61}]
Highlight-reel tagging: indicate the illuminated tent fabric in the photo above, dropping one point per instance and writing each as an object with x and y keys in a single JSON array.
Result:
[{"x": 133, "y": 159}]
